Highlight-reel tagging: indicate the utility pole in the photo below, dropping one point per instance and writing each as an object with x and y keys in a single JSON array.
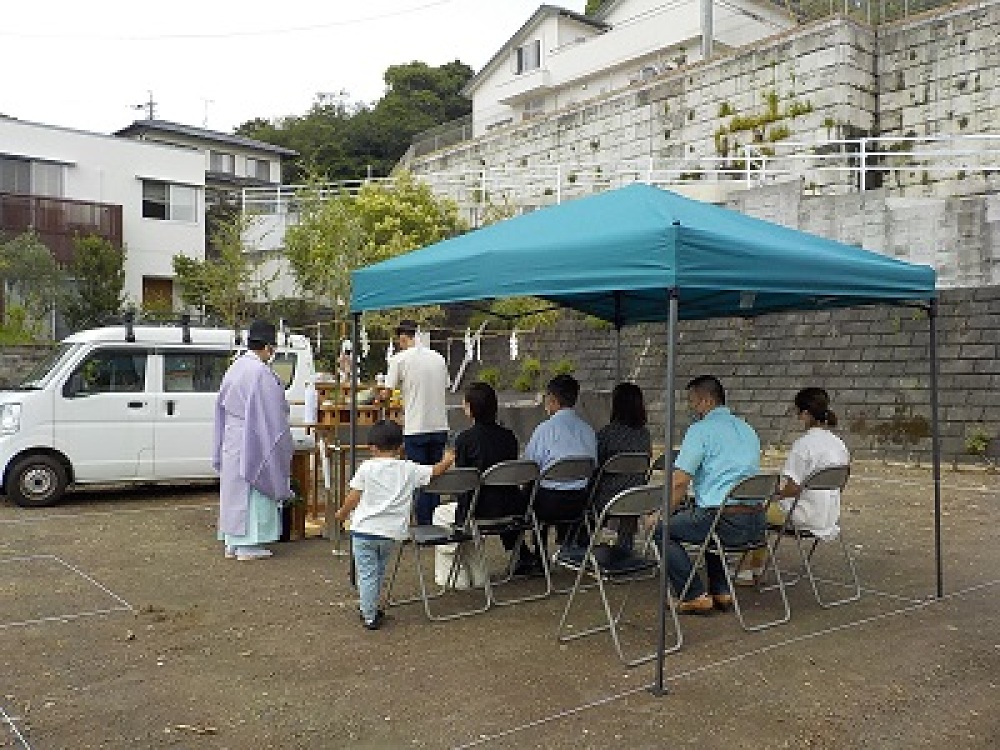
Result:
[
  {"x": 204, "y": 119},
  {"x": 149, "y": 106},
  {"x": 707, "y": 32}
]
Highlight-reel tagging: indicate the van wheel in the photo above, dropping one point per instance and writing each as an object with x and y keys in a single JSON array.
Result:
[{"x": 36, "y": 481}]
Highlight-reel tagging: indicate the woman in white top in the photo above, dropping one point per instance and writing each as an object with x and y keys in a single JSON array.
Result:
[{"x": 817, "y": 511}]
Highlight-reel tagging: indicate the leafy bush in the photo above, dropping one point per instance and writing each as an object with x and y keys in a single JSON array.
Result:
[
  {"x": 563, "y": 367},
  {"x": 491, "y": 376}
]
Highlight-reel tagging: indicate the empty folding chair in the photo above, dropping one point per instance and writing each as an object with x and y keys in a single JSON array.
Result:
[
  {"x": 452, "y": 482},
  {"x": 830, "y": 478},
  {"x": 596, "y": 564},
  {"x": 756, "y": 489}
]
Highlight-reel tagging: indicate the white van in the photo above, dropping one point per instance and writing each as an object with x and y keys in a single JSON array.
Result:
[{"x": 126, "y": 404}]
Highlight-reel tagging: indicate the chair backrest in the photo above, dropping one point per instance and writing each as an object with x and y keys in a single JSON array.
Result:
[
  {"x": 830, "y": 478},
  {"x": 636, "y": 501},
  {"x": 626, "y": 463},
  {"x": 660, "y": 464},
  {"x": 510, "y": 473},
  {"x": 456, "y": 481},
  {"x": 570, "y": 468},
  {"x": 758, "y": 488}
]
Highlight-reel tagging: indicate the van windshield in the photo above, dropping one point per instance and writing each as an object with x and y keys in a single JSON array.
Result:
[{"x": 44, "y": 371}]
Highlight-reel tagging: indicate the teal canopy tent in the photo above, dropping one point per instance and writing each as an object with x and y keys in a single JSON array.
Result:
[
  {"x": 642, "y": 254},
  {"x": 634, "y": 245}
]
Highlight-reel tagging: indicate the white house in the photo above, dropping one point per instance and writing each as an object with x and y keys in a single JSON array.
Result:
[
  {"x": 145, "y": 196},
  {"x": 559, "y": 57},
  {"x": 231, "y": 162}
]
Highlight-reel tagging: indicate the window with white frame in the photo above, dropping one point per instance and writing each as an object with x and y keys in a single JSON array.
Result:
[
  {"x": 528, "y": 57},
  {"x": 28, "y": 177},
  {"x": 220, "y": 162},
  {"x": 168, "y": 201},
  {"x": 259, "y": 169}
]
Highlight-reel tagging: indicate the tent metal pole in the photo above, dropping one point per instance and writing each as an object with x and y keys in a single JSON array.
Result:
[
  {"x": 658, "y": 688},
  {"x": 618, "y": 337},
  {"x": 932, "y": 315},
  {"x": 352, "y": 395}
]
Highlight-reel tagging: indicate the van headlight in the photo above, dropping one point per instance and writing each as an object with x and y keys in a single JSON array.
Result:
[{"x": 10, "y": 418}]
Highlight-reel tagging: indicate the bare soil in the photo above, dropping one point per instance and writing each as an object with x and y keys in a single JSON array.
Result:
[{"x": 122, "y": 626}]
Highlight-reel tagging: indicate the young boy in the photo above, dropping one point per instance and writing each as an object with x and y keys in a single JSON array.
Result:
[{"x": 379, "y": 505}]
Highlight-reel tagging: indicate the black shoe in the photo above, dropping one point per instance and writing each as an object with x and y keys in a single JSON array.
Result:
[
  {"x": 528, "y": 564},
  {"x": 373, "y": 624}
]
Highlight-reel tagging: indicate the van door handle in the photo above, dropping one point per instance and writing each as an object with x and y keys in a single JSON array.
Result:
[
  {"x": 136, "y": 404},
  {"x": 170, "y": 408}
]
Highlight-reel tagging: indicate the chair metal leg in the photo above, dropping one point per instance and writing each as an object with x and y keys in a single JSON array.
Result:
[
  {"x": 770, "y": 561},
  {"x": 392, "y": 580},
  {"x": 536, "y": 532},
  {"x": 452, "y": 573},
  {"x": 854, "y": 581}
]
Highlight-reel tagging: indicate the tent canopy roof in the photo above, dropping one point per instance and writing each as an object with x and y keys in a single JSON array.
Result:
[{"x": 618, "y": 255}]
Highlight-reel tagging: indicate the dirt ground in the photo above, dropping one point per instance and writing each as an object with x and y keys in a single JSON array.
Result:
[{"x": 122, "y": 626}]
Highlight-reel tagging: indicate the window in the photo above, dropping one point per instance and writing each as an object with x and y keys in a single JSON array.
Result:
[
  {"x": 259, "y": 168},
  {"x": 194, "y": 372},
  {"x": 220, "y": 162},
  {"x": 47, "y": 179},
  {"x": 163, "y": 200},
  {"x": 528, "y": 57},
  {"x": 31, "y": 177},
  {"x": 110, "y": 371}
]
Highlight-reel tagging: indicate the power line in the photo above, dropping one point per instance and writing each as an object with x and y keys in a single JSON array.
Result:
[{"x": 229, "y": 34}]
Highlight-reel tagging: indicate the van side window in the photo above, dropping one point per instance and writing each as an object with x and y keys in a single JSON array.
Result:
[
  {"x": 284, "y": 367},
  {"x": 194, "y": 372},
  {"x": 109, "y": 371}
]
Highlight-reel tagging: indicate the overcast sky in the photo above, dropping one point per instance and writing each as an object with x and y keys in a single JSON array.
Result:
[{"x": 85, "y": 65}]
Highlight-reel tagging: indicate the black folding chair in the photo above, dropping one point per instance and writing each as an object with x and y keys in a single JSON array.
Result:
[
  {"x": 452, "y": 482},
  {"x": 599, "y": 565},
  {"x": 830, "y": 478},
  {"x": 757, "y": 489}
]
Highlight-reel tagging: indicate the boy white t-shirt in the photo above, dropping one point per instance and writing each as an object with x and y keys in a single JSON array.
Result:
[
  {"x": 818, "y": 511},
  {"x": 386, "y": 486}
]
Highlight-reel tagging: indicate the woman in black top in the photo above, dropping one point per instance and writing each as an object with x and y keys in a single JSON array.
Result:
[
  {"x": 481, "y": 446},
  {"x": 625, "y": 433}
]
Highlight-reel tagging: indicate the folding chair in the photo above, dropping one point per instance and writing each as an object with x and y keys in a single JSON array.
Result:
[
  {"x": 621, "y": 464},
  {"x": 830, "y": 478},
  {"x": 756, "y": 489},
  {"x": 660, "y": 464},
  {"x": 567, "y": 469},
  {"x": 519, "y": 474},
  {"x": 452, "y": 482},
  {"x": 628, "y": 504}
]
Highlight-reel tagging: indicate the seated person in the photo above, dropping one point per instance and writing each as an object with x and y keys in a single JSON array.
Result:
[
  {"x": 562, "y": 435},
  {"x": 481, "y": 446},
  {"x": 719, "y": 449},
  {"x": 818, "y": 511},
  {"x": 626, "y": 432}
]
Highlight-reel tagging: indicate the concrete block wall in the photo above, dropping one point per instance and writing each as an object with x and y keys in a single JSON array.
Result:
[{"x": 873, "y": 361}]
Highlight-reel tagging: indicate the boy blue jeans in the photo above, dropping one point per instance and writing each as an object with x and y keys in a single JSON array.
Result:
[{"x": 371, "y": 556}]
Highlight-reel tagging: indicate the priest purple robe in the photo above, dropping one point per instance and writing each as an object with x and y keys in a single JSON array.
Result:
[{"x": 253, "y": 443}]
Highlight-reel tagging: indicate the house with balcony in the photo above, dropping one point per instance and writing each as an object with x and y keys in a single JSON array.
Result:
[
  {"x": 559, "y": 58},
  {"x": 147, "y": 198},
  {"x": 231, "y": 162}
]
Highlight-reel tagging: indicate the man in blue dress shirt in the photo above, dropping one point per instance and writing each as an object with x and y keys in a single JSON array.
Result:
[
  {"x": 719, "y": 449},
  {"x": 562, "y": 435}
]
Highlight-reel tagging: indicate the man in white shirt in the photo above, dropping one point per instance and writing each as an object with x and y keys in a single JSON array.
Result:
[{"x": 422, "y": 376}]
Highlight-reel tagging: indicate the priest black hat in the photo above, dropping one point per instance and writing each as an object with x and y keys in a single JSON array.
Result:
[{"x": 260, "y": 334}]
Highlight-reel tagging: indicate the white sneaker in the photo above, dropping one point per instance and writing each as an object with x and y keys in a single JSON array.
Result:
[
  {"x": 252, "y": 553},
  {"x": 230, "y": 552}
]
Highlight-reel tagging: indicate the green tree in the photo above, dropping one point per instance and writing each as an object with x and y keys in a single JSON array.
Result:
[
  {"x": 98, "y": 271},
  {"x": 340, "y": 233},
  {"x": 593, "y": 6},
  {"x": 226, "y": 285},
  {"x": 341, "y": 140},
  {"x": 32, "y": 281}
]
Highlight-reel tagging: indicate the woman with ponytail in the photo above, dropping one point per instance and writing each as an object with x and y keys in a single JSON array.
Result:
[{"x": 817, "y": 511}]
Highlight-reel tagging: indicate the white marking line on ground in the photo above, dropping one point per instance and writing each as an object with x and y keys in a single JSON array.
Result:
[
  {"x": 483, "y": 739},
  {"x": 126, "y": 607},
  {"x": 64, "y": 516},
  {"x": 826, "y": 581},
  {"x": 13, "y": 728}
]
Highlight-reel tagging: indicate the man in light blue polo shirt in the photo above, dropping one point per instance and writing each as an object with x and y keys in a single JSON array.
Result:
[
  {"x": 718, "y": 450},
  {"x": 562, "y": 435}
]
